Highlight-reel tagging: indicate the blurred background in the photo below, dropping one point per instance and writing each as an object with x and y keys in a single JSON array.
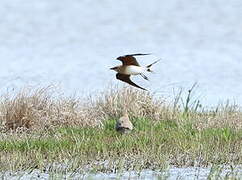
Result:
[{"x": 73, "y": 43}]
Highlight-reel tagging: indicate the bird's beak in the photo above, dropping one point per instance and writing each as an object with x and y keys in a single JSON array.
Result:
[{"x": 113, "y": 68}]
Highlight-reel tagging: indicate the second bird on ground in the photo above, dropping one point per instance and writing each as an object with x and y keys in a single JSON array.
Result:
[
  {"x": 123, "y": 124},
  {"x": 130, "y": 67}
]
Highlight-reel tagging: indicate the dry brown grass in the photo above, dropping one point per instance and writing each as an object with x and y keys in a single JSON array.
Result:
[
  {"x": 40, "y": 109},
  {"x": 223, "y": 116},
  {"x": 115, "y": 101}
]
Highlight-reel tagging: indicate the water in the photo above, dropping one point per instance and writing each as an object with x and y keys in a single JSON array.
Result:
[
  {"x": 73, "y": 44},
  {"x": 189, "y": 173}
]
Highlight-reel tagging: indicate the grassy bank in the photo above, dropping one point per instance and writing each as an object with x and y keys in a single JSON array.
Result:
[{"x": 54, "y": 133}]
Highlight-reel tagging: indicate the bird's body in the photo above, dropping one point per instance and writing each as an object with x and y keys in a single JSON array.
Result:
[
  {"x": 124, "y": 125},
  {"x": 131, "y": 70},
  {"x": 130, "y": 67}
]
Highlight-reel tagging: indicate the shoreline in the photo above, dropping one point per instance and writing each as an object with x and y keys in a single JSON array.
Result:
[{"x": 169, "y": 173}]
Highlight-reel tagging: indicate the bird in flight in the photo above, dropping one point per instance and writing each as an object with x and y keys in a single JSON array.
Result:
[{"x": 129, "y": 67}]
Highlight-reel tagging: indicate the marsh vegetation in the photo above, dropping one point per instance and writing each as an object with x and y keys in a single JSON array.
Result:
[{"x": 46, "y": 131}]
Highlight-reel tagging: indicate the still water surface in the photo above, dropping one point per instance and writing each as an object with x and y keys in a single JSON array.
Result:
[
  {"x": 189, "y": 173},
  {"x": 74, "y": 43}
]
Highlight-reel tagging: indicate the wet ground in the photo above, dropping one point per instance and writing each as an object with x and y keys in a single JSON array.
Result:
[{"x": 173, "y": 173}]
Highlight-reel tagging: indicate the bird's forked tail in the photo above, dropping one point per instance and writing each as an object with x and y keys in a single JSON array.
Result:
[{"x": 149, "y": 66}]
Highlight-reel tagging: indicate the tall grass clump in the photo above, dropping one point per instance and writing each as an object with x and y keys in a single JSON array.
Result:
[
  {"x": 113, "y": 102},
  {"x": 43, "y": 108},
  {"x": 25, "y": 109}
]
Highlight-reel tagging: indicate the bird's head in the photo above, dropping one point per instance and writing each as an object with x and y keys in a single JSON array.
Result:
[{"x": 115, "y": 68}]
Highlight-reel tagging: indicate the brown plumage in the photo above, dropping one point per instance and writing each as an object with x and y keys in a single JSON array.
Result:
[
  {"x": 126, "y": 78},
  {"x": 129, "y": 67},
  {"x": 130, "y": 59},
  {"x": 124, "y": 125}
]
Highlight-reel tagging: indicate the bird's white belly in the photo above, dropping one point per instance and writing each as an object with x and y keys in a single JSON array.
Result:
[{"x": 133, "y": 70}]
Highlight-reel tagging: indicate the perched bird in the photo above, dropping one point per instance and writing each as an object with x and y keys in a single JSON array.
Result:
[
  {"x": 124, "y": 125},
  {"x": 130, "y": 67}
]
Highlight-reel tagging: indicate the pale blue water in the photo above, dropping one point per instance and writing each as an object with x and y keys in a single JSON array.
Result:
[
  {"x": 73, "y": 43},
  {"x": 189, "y": 173}
]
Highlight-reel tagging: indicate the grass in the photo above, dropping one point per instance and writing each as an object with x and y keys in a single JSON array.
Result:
[{"x": 52, "y": 133}]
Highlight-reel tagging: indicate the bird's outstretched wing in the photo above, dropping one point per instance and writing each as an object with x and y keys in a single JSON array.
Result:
[
  {"x": 126, "y": 78},
  {"x": 130, "y": 59}
]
